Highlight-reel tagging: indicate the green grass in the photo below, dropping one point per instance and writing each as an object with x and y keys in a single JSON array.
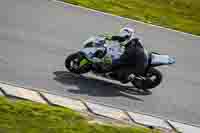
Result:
[
  {"x": 181, "y": 15},
  {"x": 29, "y": 117}
]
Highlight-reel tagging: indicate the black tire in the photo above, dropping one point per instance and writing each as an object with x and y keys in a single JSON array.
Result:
[
  {"x": 149, "y": 83},
  {"x": 78, "y": 57}
]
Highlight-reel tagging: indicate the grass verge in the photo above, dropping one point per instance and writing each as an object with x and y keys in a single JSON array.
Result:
[
  {"x": 29, "y": 117},
  {"x": 181, "y": 15}
]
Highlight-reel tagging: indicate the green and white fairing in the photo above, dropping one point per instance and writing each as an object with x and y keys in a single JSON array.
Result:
[{"x": 112, "y": 48}]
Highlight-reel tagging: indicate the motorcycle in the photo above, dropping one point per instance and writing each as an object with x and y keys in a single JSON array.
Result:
[{"x": 80, "y": 63}]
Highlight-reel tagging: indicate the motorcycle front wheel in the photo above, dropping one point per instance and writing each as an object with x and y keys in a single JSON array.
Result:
[{"x": 73, "y": 64}]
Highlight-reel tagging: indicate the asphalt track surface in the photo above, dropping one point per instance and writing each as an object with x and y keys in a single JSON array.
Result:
[{"x": 37, "y": 35}]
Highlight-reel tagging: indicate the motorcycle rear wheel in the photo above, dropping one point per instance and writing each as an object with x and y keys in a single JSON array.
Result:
[{"x": 149, "y": 81}]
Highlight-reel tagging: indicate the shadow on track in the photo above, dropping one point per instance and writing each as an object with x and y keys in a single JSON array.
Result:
[{"x": 95, "y": 87}]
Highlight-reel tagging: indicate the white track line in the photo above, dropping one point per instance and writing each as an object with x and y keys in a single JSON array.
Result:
[{"x": 76, "y": 6}]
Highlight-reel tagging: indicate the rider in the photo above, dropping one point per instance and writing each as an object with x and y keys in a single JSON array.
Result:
[{"x": 134, "y": 58}]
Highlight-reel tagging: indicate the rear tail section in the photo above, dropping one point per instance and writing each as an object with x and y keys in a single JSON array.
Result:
[{"x": 158, "y": 59}]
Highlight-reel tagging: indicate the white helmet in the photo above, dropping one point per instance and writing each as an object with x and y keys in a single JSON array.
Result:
[{"x": 127, "y": 33}]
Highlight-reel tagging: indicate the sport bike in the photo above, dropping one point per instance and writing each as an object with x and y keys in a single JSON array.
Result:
[{"x": 81, "y": 62}]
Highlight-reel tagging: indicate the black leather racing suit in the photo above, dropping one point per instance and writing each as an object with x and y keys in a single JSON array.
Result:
[{"x": 134, "y": 60}]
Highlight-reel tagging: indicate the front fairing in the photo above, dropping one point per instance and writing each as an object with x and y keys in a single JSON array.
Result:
[
  {"x": 89, "y": 40},
  {"x": 89, "y": 53},
  {"x": 94, "y": 40}
]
